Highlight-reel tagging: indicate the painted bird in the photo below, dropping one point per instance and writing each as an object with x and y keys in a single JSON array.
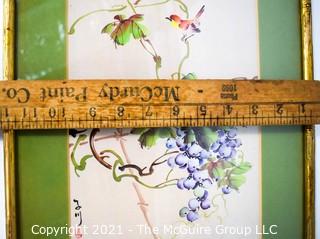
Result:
[{"x": 189, "y": 26}]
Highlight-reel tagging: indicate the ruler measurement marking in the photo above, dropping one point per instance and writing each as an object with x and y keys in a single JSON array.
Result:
[
  {"x": 217, "y": 105},
  {"x": 193, "y": 119}
]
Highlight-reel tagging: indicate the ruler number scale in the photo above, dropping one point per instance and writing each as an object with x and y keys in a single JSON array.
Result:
[{"x": 154, "y": 103}]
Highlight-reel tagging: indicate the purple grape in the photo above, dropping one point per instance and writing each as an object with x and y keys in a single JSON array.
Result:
[
  {"x": 202, "y": 161},
  {"x": 194, "y": 150},
  {"x": 232, "y": 133},
  {"x": 215, "y": 147},
  {"x": 226, "y": 190},
  {"x": 192, "y": 216},
  {"x": 204, "y": 154},
  {"x": 181, "y": 159},
  {"x": 193, "y": 165},
  {"x": 220, "y": 133},
  {"x": 223, "y": 139},
  {"x": 171, "y": 143},
  {"x": 184, "y": 212},
  {"x": 189, "y": 183},
  {"x": 205, "y": 204},
  {"x": 225, "y": 151},
  {"x": 171, "y": 162},
  {"x": 180, "y": 183},
  {"x": 232, "y": 143},
  {"x": 194, "y": 204},
  {"x": 238, "y": 142},
  {"x": 199, "y": 175},
  {"x": 180, "y": 142},
  {"x": 205, "y": 195},
  {"x": 183, "y": 148}
]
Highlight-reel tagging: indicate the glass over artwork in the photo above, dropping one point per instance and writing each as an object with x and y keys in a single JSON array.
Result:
[{"x": 163, "y": 183}]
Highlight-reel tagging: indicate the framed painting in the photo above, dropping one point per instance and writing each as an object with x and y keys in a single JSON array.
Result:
[{"x": 160, "y": 183}]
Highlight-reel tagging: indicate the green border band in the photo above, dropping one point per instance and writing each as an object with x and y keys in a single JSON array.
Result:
[
  {"x": 42, "y": 165},
  {"x": 282, "y": 147}
]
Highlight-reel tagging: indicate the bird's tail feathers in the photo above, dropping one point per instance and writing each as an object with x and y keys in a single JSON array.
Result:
[
  {"x": 199, "y": 13},
  {"x": 195, "y": 28}
]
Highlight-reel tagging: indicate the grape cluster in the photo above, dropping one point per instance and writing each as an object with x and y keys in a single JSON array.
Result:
[
  {"x": 225, "y": 146},
  {"x": 192, "y": 157}
]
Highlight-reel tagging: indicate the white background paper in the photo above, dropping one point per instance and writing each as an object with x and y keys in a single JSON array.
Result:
[{"x": 92, "y": 55}]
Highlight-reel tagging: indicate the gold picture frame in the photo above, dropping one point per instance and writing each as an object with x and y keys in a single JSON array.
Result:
[
  {"x": 309, "y": 132},
  {"x": 309, "y": 144}
]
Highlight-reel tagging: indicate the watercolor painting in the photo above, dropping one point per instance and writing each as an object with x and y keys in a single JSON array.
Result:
[{"x": 157, "y": 178}]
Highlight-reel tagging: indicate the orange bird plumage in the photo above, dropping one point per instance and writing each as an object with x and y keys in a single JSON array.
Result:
[{"x": 187, "y": 24}]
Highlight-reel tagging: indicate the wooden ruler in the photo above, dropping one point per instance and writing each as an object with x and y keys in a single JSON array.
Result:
[{"x": 153, "y": 103}]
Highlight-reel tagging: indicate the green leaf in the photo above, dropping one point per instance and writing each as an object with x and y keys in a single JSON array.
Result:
[
  {"x": 149, "y": 137},
  {"x": 190, "y": 136},
  {"x": 226, "y": 164},
  {"x": 235, "y": 181},
  {"x": 218, "y": 172},
  {"x": 222, "y": 182},
  {"x": 108, "y": 28},
  {"x": 122, "y": 29},
  {"x": 205, "y": 136},
  {"x": 136, "y": 17},
  {"x": 242, "y": 168},
  {"x": 139, "y": 130},
  {"x": 166, "y": 132},
  {"x": 138, "y": 30},
  {"x": 190, "y": 76},
  {"x": 121, "y": 35}
]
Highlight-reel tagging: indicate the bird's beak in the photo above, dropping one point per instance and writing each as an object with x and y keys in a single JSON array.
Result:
[{"x": 169, "y": 19}]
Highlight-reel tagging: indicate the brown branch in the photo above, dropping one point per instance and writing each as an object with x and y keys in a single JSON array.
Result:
[
  {"x": 95, "y": 153},
  {"x": 150, "y": 43},
  {"x": 140, "y": 170},
  {"x": 147, "y": 50},
  {"x": 136, "y": 167},
  {"x": 99, "y": 139},
  {"x": 151, "y": 169}
]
